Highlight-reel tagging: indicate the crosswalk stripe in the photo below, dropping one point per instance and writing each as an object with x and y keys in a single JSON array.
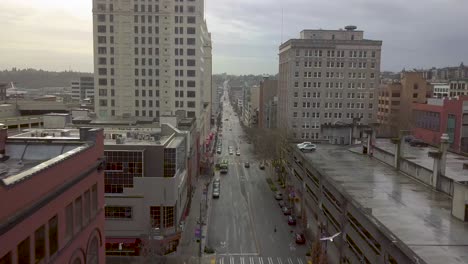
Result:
[
  {"x": 279, "y": 260},
  {"x": 290, "y": 261},
  {"x": 221, "y": 261},
  {"x": 231, "y": 260},
  {"x": 242, "y": 260},
  {"x": 252, "y": 260},
  {"x": 270, "y": 261},
  {"x": 260, "y": 260}
]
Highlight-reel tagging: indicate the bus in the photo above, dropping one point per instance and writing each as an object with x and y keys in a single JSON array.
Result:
[{"x": 223, "y": 166}]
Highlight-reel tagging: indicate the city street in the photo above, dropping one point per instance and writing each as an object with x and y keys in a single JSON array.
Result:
[{"x": 243, "y": 219}]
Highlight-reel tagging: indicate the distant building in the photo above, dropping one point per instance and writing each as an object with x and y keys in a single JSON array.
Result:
[
  {"x": 83, "y": 88},
  {"x": 440, "y": 90},
  {"x": 396, "y": 101},
  {"x": 52, "y": 191},
  {"x": 250, "y": 106},
  {"x": 448, "y": 73},
  {"x": 146, "y": 187},
  {"x": 441, "y": 116},
  {"x": 458, "y": 87},
  {"x": 325, "y": 77},
  {"x": 3, "y": 88},
  {"x": 268, "y": 103}
]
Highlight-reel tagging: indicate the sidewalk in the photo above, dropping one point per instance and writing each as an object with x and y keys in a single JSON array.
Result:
[{"x": 188, "y": 243}]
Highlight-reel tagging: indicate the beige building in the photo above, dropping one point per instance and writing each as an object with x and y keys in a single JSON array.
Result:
[
  {"x": 150, "y": 58},
  {"x": 327, "y": 77},
  {"x": 396, "y": 101}
]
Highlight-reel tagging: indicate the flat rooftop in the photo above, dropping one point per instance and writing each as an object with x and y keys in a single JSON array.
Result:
[
  {"x": 454, "y": 169},
  {"x": 414, "y": 213}
]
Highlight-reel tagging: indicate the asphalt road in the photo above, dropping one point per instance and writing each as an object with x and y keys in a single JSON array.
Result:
[{"x": 243, "y": 219}]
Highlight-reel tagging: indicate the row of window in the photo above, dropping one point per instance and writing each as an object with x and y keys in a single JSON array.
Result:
[
  {"x": 143, "y": 103},
  {"x": 328, "y": 115},
  {"x": 75, "y": 218},
  {"x": 335, "y": 53},
  {"x": 330, "y": 75},
  {"x": 306, "y": 94},
  {"x": 168, "y": 218},
  {"x": 329, "y": 105}
]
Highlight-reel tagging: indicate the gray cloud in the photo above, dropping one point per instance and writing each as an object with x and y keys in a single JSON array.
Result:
[{"x": 419, "y": 33}]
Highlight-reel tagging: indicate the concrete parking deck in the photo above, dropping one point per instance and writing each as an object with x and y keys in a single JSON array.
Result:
[
  {"x": 416, "y": 216},
  {"x": 454, "y": 169}
]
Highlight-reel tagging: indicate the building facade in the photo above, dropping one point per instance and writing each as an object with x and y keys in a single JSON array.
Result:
[
  {"x": 146, "y": 188},
  {"x": 443, "y": 116},
  {"x": 440, "y": 90},
  {"x": 458, "y": 87},
  {"x": 396, "y": 100},
  {"x": 327, "y": 76},
  {"x": 3, "y": 88},
  {"x": 150, "y": 58},
  {"x": 83, "y": 88},
  {"x": 55, "y": 179},
  {"x": 268, "y": 102}
]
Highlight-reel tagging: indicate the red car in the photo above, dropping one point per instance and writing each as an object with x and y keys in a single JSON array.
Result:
[
  {"x": 291, "y": 220},
  {"x": 300, "y": 239}
]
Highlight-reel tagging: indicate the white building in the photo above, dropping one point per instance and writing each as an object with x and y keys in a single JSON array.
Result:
[
  {"x": 440, "y": 90},
  {"x": 83, "y": 88},
  {"x": 325, "y": 77},
  {"x": 150, "y": 58}
]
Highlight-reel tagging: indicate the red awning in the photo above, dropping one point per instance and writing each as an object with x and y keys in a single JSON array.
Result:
[{"x": 122, "y": 240}]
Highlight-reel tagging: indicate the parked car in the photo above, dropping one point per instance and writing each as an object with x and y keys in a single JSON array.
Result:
[
  {"x": 418, "y": 143},
  {"x": 281, "y": 204},
  {"x": 300, "y": 238},
  {"x": 303, "y": 143},
  {"x": 246, "y": 164},
  {"x": 286, "y": 210},
  {"x": 278, "y": 196},
  {"x": 409, "y": 138},
  {"x": 231, "y": 152},
  {"x": 238, "y": 153},
  {"x": 308, "y": 147},
  {"x": 216, "y": 193},
  {"x": 219, "y": 151},
  {"x": 261, "y": 166},
  {"x": 291, "y": 220}
]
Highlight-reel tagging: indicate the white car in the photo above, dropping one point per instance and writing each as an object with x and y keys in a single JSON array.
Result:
[
  {"x": 308, "y": 147},
  {"x": 231, "y": 152},
  {"x": 238, "y": 153},
  {"x": 303, "y": 143}
]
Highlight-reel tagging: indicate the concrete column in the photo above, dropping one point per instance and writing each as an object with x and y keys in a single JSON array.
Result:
[{"x": 444, "y": 144}]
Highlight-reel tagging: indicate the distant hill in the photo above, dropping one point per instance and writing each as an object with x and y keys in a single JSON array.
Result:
[{"x": 33, "y": 79}]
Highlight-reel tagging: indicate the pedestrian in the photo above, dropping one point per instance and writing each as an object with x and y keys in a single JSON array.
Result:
[{"x": 275, "y": 228}]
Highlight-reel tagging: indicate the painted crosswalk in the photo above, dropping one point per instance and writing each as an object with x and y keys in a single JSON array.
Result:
[{"x": 258, "y": 260}]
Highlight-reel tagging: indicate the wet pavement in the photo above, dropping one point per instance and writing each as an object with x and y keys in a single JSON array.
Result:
[
  {"x": 419, "y": 155},
  {"x": 416, "y": 215}
]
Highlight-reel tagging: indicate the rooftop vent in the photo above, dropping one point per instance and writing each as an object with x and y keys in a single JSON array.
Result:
[{"x": 350, "y": 28}]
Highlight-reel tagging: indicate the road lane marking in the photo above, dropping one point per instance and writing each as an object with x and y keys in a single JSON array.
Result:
[
  {"x": 260, "y": 260},
  {"x": 221, "y": 261},
  {"x": 290, "y": 261},
  {"x": 270, "y": 260},
  {"x": 251, "y": 260},
  {"x": 279, "y": 260},
  {"x": 231, "y": 260},
  {"x": 242, "y": 260}
]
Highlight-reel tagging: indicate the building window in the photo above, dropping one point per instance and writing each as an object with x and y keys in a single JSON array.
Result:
[
  {"x": 68, "y": 221},
  {"x": 78, "y": 214},
  {"x": 121, "y": 168},
  {"x": 6, "y": 259},
  {"x": 168, "y": 216},
  {"x": 94, "y": 200},
  {"x": 53, "y": 235},
  {"x": 87, "y": 205},
  {"x": 155, "y": 216},
  {"x": 118, "y": 212},
  {"x": 23, "y": 252},
  {"x": 39, "y": 244}
]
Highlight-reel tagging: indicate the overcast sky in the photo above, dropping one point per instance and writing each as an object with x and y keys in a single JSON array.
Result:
[{"x": 57, "y": 34}]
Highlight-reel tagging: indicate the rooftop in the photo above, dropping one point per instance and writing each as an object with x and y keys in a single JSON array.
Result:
[
  {"x": 32, "y": 151},
  {"x": 415, "y": 214},
  {"x": 454, "y": 169}
]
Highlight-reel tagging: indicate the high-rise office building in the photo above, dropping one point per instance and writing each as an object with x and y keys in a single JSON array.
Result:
[
  {"x": 327, "y": 77},
  {"x": 83, "y": 88},
  {"x": 151, "y": 57}
]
